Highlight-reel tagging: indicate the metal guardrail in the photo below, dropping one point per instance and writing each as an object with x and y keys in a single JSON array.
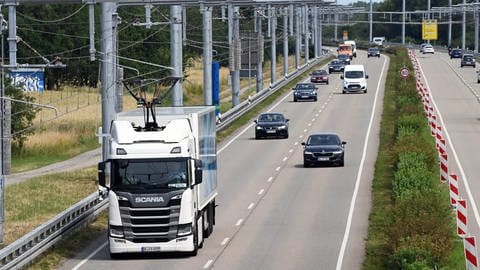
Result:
[{"x": 24, "y": 250}]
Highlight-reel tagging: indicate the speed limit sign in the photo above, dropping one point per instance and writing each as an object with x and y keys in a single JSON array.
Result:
[{"x": 404, "y": 72}]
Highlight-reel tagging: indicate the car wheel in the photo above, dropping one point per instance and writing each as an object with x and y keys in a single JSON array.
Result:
[
  {"x": 327, "y": 82},
  {"x": 286, "y": 135},
  {"x": 461, "y": 65},
  {"x": 478, "y": 81},
  {"x": 343, "y": 92},
  {"x": 306, "y": 164},
  {"x": 342, "y": 163},
  {"x": 315, "y": 99},
  {"x": 294, "y": 100},
  {"x": 365, "y": 91}
]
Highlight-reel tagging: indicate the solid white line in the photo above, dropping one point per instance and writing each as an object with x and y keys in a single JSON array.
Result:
[
  {"x": 261, "y": 191},
  {"x": 89, "y": 256},
  {"x": 251, "y": 206},
  {"x": 454, "y": 152},
  {"x": 269, "y": 179},
  {"x": 359, "y": 176},
  {"x": 225, "y": 241},
  {"x": 207, "y": 265},
  {"x": 239, "y": 222}
]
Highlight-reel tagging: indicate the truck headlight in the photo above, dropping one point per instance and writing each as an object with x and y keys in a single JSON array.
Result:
[
  {"x": 184, "y": 229},
  {"x": 116, "y": 231}
]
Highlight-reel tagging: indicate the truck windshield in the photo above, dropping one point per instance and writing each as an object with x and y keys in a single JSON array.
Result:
[{"x": 150, "y": 174}]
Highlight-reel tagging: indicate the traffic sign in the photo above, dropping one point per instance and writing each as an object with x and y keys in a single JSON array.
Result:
[{"x": 404, "y": 72}]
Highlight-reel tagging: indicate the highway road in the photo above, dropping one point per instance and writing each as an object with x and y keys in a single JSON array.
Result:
[
  {"x": 456, "y": 97},
  {"x": 272, "y": 212}
]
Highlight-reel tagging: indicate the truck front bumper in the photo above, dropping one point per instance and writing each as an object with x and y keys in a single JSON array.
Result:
[{"x": 181, "y": 244}]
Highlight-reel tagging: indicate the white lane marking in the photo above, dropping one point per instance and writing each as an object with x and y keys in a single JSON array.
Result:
[
  {"x": 313, "y": 119},
  {"x": 305, "y": 130},
  {"x": 359, "y": 175},
  {"x": 290, "y": 151},
  {"x": 454, "y": 152},
  {"x": 225, "y": 241},
  {"x": 207, "y": 265},
  {"x": 89, "y": 256},
  {"x": 309, "y": 124},
  {"x": 269, "y": 179},
  {"x": 301, "y": 136},
  {"x": 316, "y": 115},
  {"x": 251, "y": 206},
  {"x": 296, "y": 143},
  {"x": 261, "y": 191},
  {"x": 239, "y": 222},
  {"x": 284, "y": 159},
  {"x": 278, "y": 168}
]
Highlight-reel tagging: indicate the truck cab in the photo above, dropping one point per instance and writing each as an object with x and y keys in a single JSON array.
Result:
[{"x": 345, "y": 49}]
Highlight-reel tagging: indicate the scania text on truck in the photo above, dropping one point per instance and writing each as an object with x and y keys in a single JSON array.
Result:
[{"x": 161, "y": 180}]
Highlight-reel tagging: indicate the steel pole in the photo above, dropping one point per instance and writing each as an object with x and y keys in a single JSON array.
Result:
[
  {"x": 176, "y": 57},
  {"x": 207, "y": 54}
]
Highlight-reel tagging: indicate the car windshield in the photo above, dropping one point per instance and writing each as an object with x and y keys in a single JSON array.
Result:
[
  {"x": 373, "y": 49},
  {"x": 271, "y": 118},
  {"x": 468, "y": 57},
  {"x": 327, "y": 139},
  {"x": 335, "y": 62},
  {"x": 354, "y": 74},
  {"x": 319, "y": 72},
  {"x": 147, "y": 174},
  {"x": 304, "y": 86}
]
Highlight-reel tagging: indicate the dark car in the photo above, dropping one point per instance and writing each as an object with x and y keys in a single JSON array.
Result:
[
  {"x": 324, "y": 148},
  {"x": 345, "y": 58},
  {"x": 373, "y": 52},
  {"x": 304, "y": 91},
  {"x": 336, "y": 66},
  {"x": 271, "y": 125},
  {"x": 456, "y": 53},
  {"x": 319, "y": 76},
  {"x": 467, "y": 60}
]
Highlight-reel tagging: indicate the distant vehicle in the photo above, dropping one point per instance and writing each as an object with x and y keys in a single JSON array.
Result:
[
  {"x": 373, "y": 52},
  {"x": 354, "y": 46},
  {"x": 456, "y": 53},
  {"x": 304, "y": 91},
  {"x": 378, "y": 41},
  {"x": 467, "y": 60},
  {"x": 422, "y": 45},
  {"x": 271, "y": 125},
  {"x": 336, "y": 66},
  {"x": 324, "y": 148},
  {"x": 345, "y": 58},
  {"x": 319, "y": 76},
  {"x": 428, "y": 49},
  {"x": 354, "y": 79},
  {"x": 345, "y": 49},
  {"x": 478, "y": 76}
]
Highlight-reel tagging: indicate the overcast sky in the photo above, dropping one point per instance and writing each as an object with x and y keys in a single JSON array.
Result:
[{"x": 346, "y": 2}]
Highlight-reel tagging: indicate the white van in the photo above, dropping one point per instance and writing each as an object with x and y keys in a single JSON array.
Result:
[
  {"x": 378, "y": 41},
  {"x": 354, "y": 46},
  {"x": 354, "y": 79}
]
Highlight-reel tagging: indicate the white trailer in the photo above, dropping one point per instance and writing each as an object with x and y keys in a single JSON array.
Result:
[{"x": 161, "y": 180}]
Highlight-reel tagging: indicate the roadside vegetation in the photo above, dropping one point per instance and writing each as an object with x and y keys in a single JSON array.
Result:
[{"x": 411, "y": 223}]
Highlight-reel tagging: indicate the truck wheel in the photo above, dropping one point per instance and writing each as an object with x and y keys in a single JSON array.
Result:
[
  {"x": 115, "y": 256},
  {"x": 209, "y": 218}
]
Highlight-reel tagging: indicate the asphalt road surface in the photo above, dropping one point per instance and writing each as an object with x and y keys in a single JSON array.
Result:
[{"x": 272, "y": 212}]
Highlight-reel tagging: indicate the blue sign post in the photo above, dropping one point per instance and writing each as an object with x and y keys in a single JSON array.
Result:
[{"x": 216, "y": 86}]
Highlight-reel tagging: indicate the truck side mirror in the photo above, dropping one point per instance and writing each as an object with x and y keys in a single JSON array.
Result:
[
  {"x": 101, "y": 174},
  {"x": 198, "y": 172}
]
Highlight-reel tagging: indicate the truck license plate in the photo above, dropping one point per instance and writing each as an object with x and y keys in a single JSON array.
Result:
[{"x": 150, "y": 249}]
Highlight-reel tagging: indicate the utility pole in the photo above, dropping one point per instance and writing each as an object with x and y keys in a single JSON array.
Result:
[
  {"x": 449, "y": 23},
  {"x": 259, "y": 53},
  {"x": 297, "y": 38},
  {"x": 207, "y": 54},
  {"x": 108, "y": 74},
  {"x": 476, "y": 21},
  {"x": 305, "y": 31},
  {"x": 273, "y": 51},
  {"x": 464, "y": 24},
  {"x": 285, "y": 42},
  {"x": 235, "y": 53},
  {"x": 176, "y": 58},
  {"x": 403, "y": 22}
]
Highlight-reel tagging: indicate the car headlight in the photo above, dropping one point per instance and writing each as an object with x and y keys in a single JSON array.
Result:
[
  {"x": 184, "y": 229},
  {"x": 116, "y": 231},
  {"x": 282, "y": 127},
  {"x": 337, "y": 152},
  {"x": 259, "y": 127},
  {"x": 307, "y": 153}
]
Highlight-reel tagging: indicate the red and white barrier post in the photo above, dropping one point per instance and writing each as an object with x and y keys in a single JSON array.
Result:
[
  {"x": 453, "y": 186},
  {"x": 443, "y": 167},
  {"x": 441, "y": 144},
  {"x": 462, "y": 228},
  {"x": 471, "y": 260}
]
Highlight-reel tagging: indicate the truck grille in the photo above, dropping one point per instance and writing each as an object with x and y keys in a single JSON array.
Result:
[{"x": 150, "y": 224}]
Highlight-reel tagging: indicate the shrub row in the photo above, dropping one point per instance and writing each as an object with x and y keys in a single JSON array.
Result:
[{"x": 413, "y": 228}]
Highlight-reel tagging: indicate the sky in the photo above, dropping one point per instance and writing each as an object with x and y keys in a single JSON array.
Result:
[{"x": 346, "y": 2}]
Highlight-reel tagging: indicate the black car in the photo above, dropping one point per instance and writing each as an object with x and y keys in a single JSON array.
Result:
[
  {"x": 467, "y": 60},
  {"x": 456, "y": 53},
  {"x": 271, "y": 125},
  {"x": 319, "y": 76},
  {"x": 304, "y": 91},
  {"x": 323, "y": 148},
  {"x": 373, "y": 52},
  {"x": 336, "y": 66},
  {"x": 345, "y": 58}
]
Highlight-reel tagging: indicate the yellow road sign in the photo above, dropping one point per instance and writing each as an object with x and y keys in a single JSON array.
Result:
[{"x": 429, "y": 30}]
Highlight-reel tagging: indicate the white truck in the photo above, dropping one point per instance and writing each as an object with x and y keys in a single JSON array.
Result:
[{"x": 161, "y": 180}]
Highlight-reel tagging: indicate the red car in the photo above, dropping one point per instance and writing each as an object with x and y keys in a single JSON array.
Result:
[{"x": 319, "y": 76}]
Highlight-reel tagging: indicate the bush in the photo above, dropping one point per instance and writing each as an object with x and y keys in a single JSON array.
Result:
[
  {"x": 415, "y": 143},
  {"x": 412, "y": 174},
  {"x": 412, "y": 258}
]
